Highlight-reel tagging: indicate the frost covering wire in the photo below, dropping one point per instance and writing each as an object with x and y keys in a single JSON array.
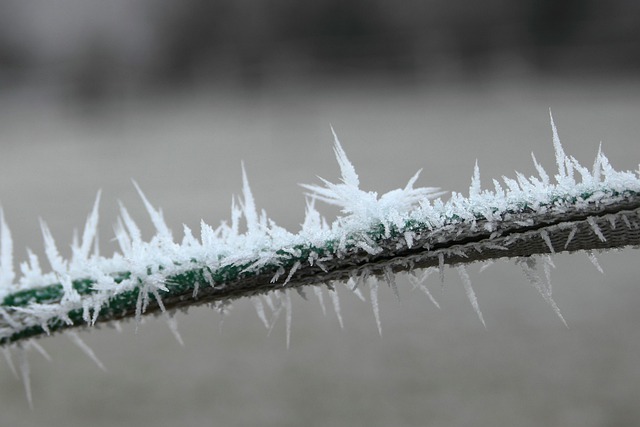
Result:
[{"x": 404, "y": 230}]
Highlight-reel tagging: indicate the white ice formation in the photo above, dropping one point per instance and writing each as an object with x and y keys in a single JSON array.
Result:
[{"x": 144, "y": 266}]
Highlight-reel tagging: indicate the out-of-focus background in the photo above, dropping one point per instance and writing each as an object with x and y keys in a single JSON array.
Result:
[{"x": 176, "y": 94}]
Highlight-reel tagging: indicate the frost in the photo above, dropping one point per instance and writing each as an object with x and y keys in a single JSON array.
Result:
[
  {"x": 529, "y": 267},
  {"x": 26, "y": 375},
  {"x": 594, "y": 260},
  {"x": 545, "y": 236},
  {"x": 75, "y": 338},
  {"x": 335, "y": 299},
  {"x": 58, "y": 264},
  {"x": 418, "y": 282},
  {"x": 257, "y": 303},
  {"x": 156, "y": 216},
  {"x": 596, "y": 229},
  {"x": 80, "y": 254},
  {"x": 9, "y": 359},
  {"x": 6, "y": 254},
  {"x": 390, "y": 278},
  {"x": 572, "y": 234},
  {"x": 172, "y": 322},
  {"x": 289, "y": 313},
  {"x": 466, "y": 281},
  {"x": 486, "y": 265},
  {"x": 295, "y": 267},
  {"x": 371, "y": 230},
  {"x": 318, "y": 291},
  {"x": 374, "y": 302}
]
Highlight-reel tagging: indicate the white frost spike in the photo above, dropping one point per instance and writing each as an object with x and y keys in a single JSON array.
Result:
[
  {"x": 70, "y": 294},
  {"x": 358, "y": 293},
  {"x": 594, "y": 261},
  {"x": 58, "y": 264},
  {"x": 6, "y": 253},
  {"x": 543, "y": 174},
  {"x": 475, "y": 188},
  {"x": 318, "y": 291},
  {"x": 40, "y": 350},
  {"x": 132, "y": 227},
  {"x": 561, "y": 157},
  {"x": 9, "y": 359},
  {"x": 529, "y": 267},
  {"x": 572, "y": 234},
  {"x": 365, "y": 206},
  {"x": 545, "y": 236},
  {"x": 257, "y": 303},
  {"x": 597, "y": 164},
  {"x": 75, "y": 338},
  {"x": 292, "y": 271},
  {"x": 249, "y": 204},
  {"x": 441, "y": 266},
  {"x": 486, "y": 265},
  {"x": 172, "y": 322},
  {"x": 462, "y": 271},
  {"x": 374, "y": 302},
  {"x": 348, "y": 172},
  {"x": 418, "y": 282},
  {"x": 390, "y": 278},
  {"x": 335, "y": 299},
  {"x": 26, "y": 378},
  {"x": 156, "y": 216},
  {"x": 289, "y": 315},
  {"x": 90, "y": 232},
  {"x": 596, "y": 229},
  {"x": 277, "y": 274},
  {"x": 7, "y": 318}
]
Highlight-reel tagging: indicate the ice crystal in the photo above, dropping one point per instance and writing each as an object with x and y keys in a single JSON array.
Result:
[
  {"x": 335, "y": 299},
  {"x": 75, "y": 338},
  {"x": 466, "y": 281},
  {"x": 375, "y": 304},
  {"x": 374, "y": 237}
]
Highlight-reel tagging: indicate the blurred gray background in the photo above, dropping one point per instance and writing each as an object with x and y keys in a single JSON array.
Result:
[{"x": 176, "y": 94}]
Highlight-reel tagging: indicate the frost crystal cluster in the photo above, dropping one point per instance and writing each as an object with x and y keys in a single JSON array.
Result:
[{"x": 409, "y": 230}]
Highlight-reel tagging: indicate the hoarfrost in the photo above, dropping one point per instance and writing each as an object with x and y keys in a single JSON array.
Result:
[
  {"x": 75, "y": 338},
  {"x": 545, "y": 236},
  {"x": 26, "y": 376},
  {"x": 289, "y": 313},
  {"x": 594, "y": 260},
  {"x": 418, "y": 282},
  {"x": 486, "y": 265},
  {"x": 335, "y": 299},
  {"x": 6, "y": 254},
  {"x": 374, "y": 302},
  {"x": 257, "y": 303},
  {"x": 318, "y": 291},
  {"x": 172, "y": 322},
  {"x": 529, "y": 267},
  {"x": 462, "y": 271},
  {"x": 9, "y": 359},
  {"x": 441, "y": 266},
  {"x": 596, "y": 228},
  {"x": 390, "y": 278},
  {"x": 572, "y": 234},
  {"x": 264, "y": 244}
]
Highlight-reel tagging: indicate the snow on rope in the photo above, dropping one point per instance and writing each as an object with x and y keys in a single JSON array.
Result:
[{"x": 375, "y": 238}]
